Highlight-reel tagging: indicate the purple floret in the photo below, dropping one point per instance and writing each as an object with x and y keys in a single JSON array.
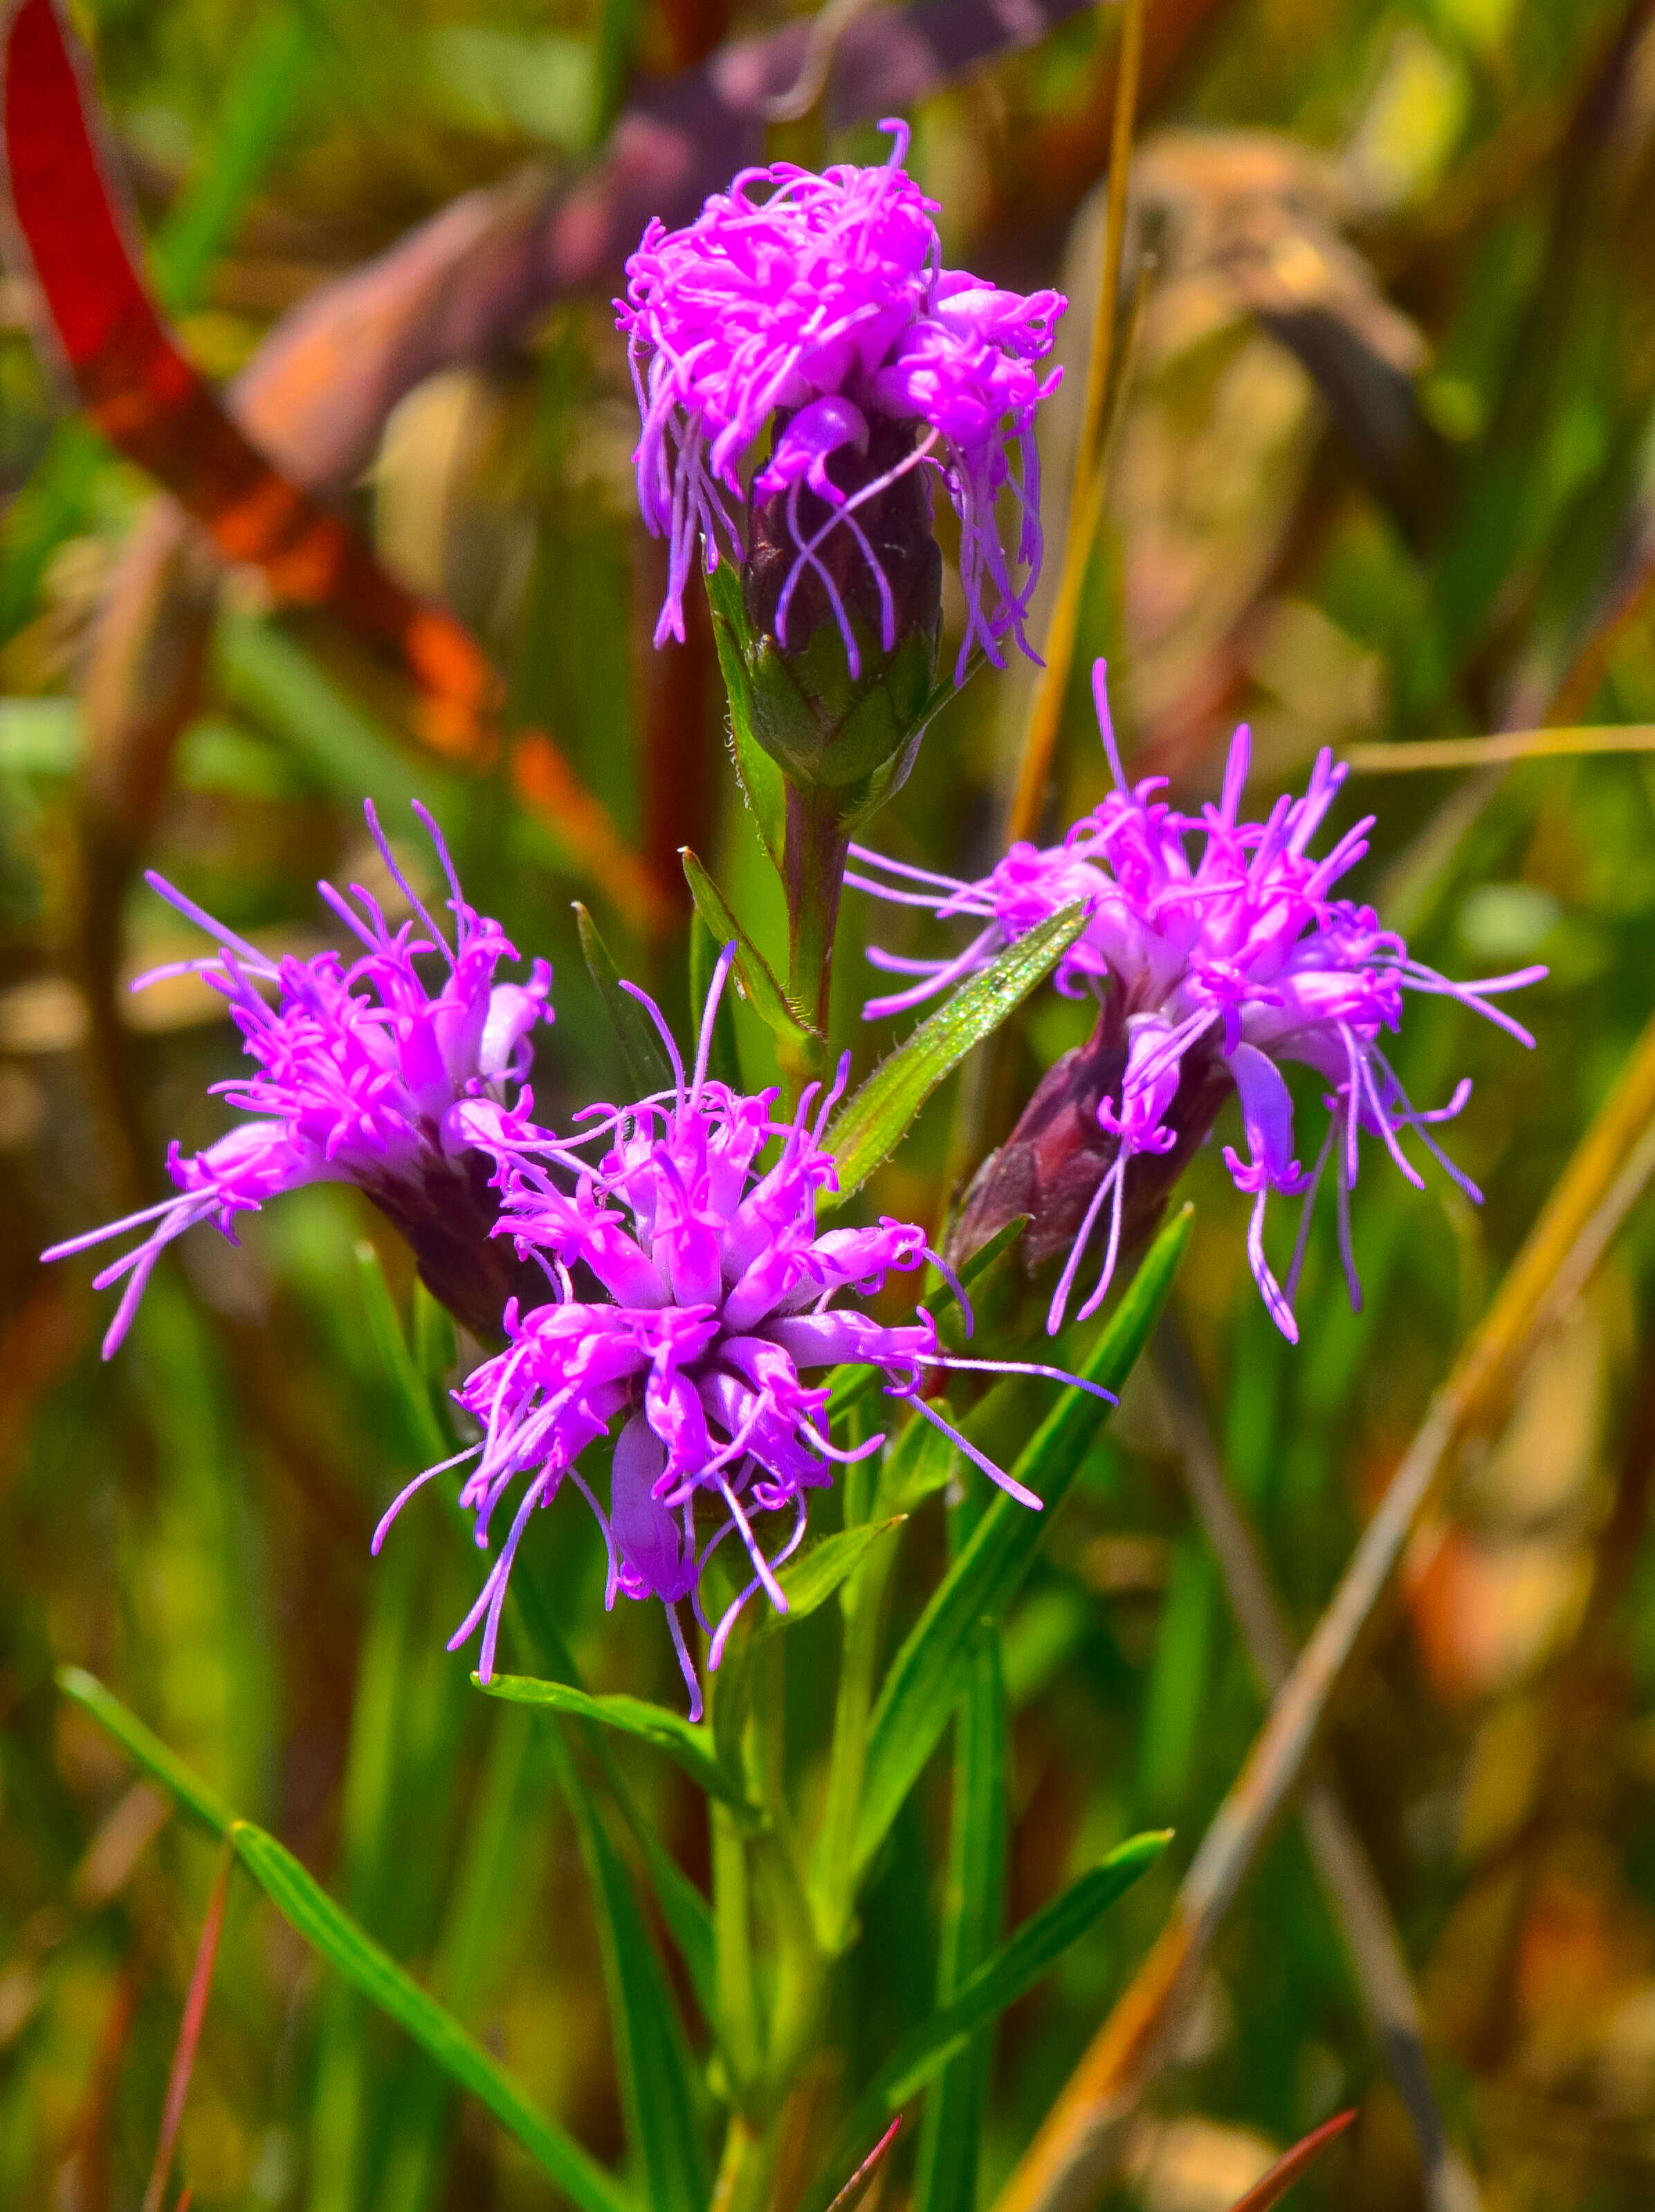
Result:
[
  {"x": 718, "y": 1294},
  {"x": 362, "y": 1069},
  {"x": 1241, "y": 952},
  {"x": 817, "y": 307}
]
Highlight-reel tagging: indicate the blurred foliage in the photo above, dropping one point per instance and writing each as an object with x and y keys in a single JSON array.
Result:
[{"x": 1383, "y": 464}]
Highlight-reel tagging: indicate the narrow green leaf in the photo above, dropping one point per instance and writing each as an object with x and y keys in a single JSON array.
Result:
[
  {"x": 307, "y": 1906},
  {"x": 918, "y": 1463},
  {"x": 811, "y": 1578},
  {"x": 754, "y": 973},
  {"x": 924, "y": 1680},
  {"x": 951, "y": 2138},
  {"x": 870, "y": 1125},
  {"x": 647, "y": 1064},
  {"x": 636, "y": 1717},
  {"x": 147, "y": 1748},
  {"x": 1015, "y": 1967},
  {"x": 365, "y": 1865},
  {"x": 652, "y": 2057}
]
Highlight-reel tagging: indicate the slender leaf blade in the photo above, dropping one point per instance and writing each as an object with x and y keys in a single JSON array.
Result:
[
  {"x": 306, "y": 1906},
  {"x": 302, "y": 1901},
  {"x": 646, "y": 1063},
  {"x": 422, "y": 1438},
  {"x": 1013, "y": 1969},
  {"x": 756, "y": 975},
  {"x": 923, "y": 1683},
  {"x": 147, "y": 1748},
  {"x": 810, "y": 1580},
  {"x": 869, "y": 1127},
  {"x": 652, "y": 1725}
]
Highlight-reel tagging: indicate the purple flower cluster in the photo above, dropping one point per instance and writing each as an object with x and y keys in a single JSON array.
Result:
[
  {"x": 364, "y": 1070},
  {"x": 678, "y": 1283},
  {"x": 1242, "y": 952},
  {"x": 718, "y": 1289},
  {"x": 817, "y": 306}
]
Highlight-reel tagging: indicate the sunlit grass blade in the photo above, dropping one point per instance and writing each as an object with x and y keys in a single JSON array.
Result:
[
  {"x": 302, "y": 1901},
  {"x": 925, "y": 1677},
  {"x": 647, "y": 1064},
  {"x": 1001, "y": 1979},
  {"x": 871, "y": 1125}
]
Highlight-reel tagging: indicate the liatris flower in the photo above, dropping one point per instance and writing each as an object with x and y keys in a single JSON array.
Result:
[
  {"x": 365, "y": 1075},
  {"x": 816, "y": 307},
  {"x": 718, "y": 1289},
  {"x": 1208, "y": 973}
]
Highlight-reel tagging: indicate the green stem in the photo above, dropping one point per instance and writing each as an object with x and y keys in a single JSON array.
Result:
[
  {"x": 737, "y": 2006},
  {"x": 816, "y": 841},
  {"x": 834, "y": 1884}
]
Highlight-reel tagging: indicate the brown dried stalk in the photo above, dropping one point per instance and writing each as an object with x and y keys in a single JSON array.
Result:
[
  {"x": 1343, "y": 1866},
  {"x": 1077, "y": 2142}
]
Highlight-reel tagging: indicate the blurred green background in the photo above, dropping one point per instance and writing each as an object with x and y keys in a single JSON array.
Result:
[{"x": 1381, "y": 469}]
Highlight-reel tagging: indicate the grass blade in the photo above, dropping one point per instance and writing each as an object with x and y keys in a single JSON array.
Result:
[
  {"x": 1016, "y": 1967},
  {"x": 306, "y": 1906},
  {"x": 870, "y": 1125},
  {"x": 923, "y": 1684}
]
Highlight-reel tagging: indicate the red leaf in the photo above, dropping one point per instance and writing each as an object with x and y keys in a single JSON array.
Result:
[
  {"x": 189, "y": 2035},
  {"x": 1271, "y": 2187}
]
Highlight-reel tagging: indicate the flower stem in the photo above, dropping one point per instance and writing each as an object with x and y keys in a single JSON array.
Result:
[
  {"x": 816, "y": 842},
  {"x": 833, "y": 1886},
  {"x": 738, "y": 2006}
]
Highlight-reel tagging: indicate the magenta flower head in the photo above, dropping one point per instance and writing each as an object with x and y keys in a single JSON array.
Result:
[
  {"x": 814, "y": 311},
  {"x": 365, "y": 1073},
  {"x": 1210, "y": 971},
  {"x": 695, "y": 1293}
]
